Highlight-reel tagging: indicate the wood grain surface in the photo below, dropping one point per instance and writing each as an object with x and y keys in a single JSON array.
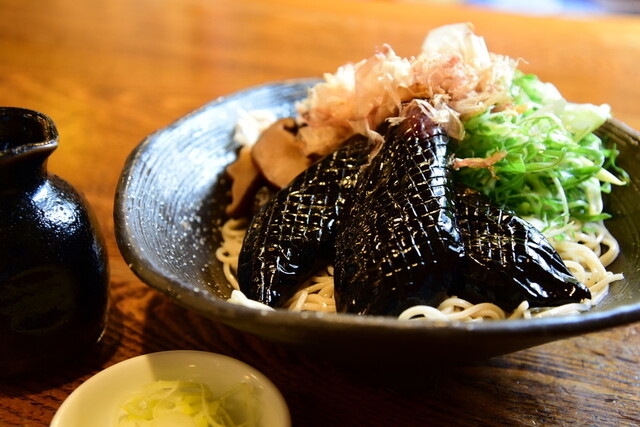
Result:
[{"x": 110, "y": 72}]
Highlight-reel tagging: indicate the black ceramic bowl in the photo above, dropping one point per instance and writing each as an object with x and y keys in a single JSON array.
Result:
[{"x": 170, "y": 202}]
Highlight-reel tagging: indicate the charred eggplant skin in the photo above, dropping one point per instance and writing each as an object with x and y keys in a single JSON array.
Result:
[
  {"x": 411, "y": 236},
  {"x": 398, "y": 244},
  {"x": 507, "y": 260},
  {"x": 294, "y": 233},
  {"x": 399, "y": 232}
]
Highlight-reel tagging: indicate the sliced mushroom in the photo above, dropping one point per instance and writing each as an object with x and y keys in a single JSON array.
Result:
[
  {"x": 246, "y": 179},
  {"x": 278, "y": 153}
]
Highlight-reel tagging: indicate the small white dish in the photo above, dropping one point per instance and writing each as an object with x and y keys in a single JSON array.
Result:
[{"x": 97, "y": 401}]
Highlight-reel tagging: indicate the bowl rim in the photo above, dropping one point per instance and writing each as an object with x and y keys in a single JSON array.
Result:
[{"x": 208, "y": 304}]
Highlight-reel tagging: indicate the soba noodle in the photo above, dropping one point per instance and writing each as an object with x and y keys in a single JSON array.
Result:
[{"x": 587, "y": 253}]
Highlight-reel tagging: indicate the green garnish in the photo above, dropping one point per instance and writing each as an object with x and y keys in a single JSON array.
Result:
[
  {"x": 190, "y": 404},
  {"x": 553, "y": 168}
]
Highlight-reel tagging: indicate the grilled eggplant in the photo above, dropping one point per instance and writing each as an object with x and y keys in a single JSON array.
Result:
[
  {"x": 398, "y": 243},
  {"x": 399, "y": 232},
  {"x": 410, "y": 236},
  {"x": 508, "y": 260},
  {"x": 294, "y": 233}
]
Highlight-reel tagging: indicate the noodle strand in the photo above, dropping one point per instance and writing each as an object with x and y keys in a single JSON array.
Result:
[{"x": 587, "y": 254}]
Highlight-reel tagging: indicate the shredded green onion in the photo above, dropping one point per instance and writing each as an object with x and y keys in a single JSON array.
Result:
[
  {"x": 555, "y": 169},
  {"x": 190, "y": 404}
]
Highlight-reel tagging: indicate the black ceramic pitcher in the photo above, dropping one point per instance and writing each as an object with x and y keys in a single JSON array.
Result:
[{"x": 53, "y": 265}]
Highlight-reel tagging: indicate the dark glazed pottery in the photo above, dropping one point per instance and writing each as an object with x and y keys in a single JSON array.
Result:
[
  {"x": 170, "y": 202},
  {"x": 53, "y": 265}
]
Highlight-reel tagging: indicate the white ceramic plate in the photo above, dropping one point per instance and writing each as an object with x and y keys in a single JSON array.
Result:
[{"x": 96, "y": 403}]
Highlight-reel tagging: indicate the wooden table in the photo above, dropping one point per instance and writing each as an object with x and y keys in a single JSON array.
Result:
[{"x": 109, "y": 72}]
